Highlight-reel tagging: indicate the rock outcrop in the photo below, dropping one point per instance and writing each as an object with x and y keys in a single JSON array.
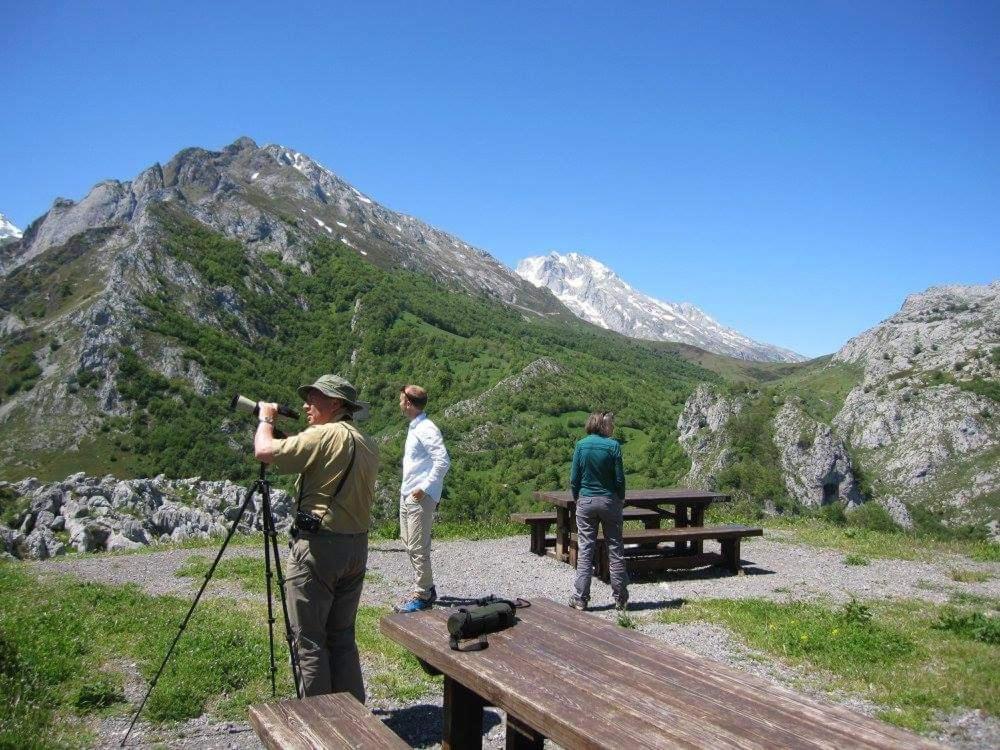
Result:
[
  {"x": 90, "y": 514},
  {"x": 922, "y": 422}
]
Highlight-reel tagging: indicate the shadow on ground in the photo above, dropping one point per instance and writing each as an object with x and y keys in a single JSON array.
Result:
[{"x": 421, "y": 725}]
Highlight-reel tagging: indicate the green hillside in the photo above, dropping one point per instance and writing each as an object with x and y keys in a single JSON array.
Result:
[{"x": 286, "y": 327}]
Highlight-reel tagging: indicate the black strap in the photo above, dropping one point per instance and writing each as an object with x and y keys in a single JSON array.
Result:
[
  {"x": 479, "y": 645},
  {"x": 518, "y": 602}
]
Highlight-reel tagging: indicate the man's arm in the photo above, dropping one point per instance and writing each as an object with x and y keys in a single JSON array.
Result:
[
  {"x": 433, "y": 441},
  {"x": 263, "y": 439}
]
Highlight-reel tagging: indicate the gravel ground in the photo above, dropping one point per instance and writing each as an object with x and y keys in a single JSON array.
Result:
[{"x": 466, "y": 569}]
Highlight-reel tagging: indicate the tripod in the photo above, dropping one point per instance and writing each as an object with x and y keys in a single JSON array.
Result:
[{"x": 263, "y": 487}]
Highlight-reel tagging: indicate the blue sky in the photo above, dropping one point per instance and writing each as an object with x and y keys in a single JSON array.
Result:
[{"x": 795, "y": 169}]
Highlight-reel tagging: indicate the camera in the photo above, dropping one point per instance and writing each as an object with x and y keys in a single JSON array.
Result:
[
  {"x": 244, "y": 404},
  {"x": 306, "y": 522}
]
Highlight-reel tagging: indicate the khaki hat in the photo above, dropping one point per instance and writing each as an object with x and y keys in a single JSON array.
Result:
[{"x": 335, "y": 387}]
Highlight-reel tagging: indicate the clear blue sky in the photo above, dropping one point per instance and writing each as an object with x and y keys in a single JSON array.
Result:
[{"x": 794, "y": 168}]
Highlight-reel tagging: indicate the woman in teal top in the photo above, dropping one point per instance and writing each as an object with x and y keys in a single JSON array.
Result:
[{"x": 597, "y": 482}]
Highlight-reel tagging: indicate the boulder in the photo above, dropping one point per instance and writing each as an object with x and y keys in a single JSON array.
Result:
[{"x": 41, "y": 544}]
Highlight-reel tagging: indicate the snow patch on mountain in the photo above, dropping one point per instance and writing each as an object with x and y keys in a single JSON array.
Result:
[
  {"x": 595, "y": 293},
  {"x": 7, "y": 229}
]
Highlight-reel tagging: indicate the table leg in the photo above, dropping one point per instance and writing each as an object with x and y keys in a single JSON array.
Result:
[
  {"x": 463, "y": 717},
  {"x": 697, "y": 519},
  {"x": 682, "y": 520},
  {"x": 562, "y": 533},
  {"x": 522, "y": 737}
]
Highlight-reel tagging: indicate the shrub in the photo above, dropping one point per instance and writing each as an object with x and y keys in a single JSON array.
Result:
[
  {"x": 974, "y": 626},
  {"x": 853, "y": 559},
  {"x": 873, "y": 517}
]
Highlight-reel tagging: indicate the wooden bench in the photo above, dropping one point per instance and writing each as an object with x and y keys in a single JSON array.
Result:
[
  {"x": 539, "y": 524},
  {"x": 337, "y": 720},
  {"x": 646, "y": 556}
]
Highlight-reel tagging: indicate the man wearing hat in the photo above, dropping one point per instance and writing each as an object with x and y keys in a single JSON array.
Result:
[{"x": 326, "y": 566}]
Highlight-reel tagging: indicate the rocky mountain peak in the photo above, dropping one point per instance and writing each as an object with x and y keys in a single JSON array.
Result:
[
  {"x": 7, "y": 229},
  {"x": 596, "y": 293},
  {"x": 276, "y": 199}
]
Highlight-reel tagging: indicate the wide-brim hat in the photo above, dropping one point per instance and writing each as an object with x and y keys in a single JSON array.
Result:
[{"x": 335, "y": 386}]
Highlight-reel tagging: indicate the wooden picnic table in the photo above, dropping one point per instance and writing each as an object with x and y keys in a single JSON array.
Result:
[
  {"x": 686, "y": 507},
  {"x": 584, "y": 682}
]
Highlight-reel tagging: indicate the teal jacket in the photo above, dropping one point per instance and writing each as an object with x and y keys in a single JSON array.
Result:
[{"x": 597, "y": 468}]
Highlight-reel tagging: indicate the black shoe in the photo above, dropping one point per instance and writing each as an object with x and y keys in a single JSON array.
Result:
[
  {"x": 621, "y": 602},
  {"x": 432, "y": 595},
  {"x": 578, "y": 604}
]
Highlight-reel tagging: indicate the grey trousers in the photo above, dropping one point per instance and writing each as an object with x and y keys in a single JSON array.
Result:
[
  {"x": 608, "y": 512},
  {"x": 323, "y": 589}
]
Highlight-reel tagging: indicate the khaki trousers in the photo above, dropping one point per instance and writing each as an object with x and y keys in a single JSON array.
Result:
[
  {"x": 323, "y": 589},
  {"x": 415, "y": 520}
]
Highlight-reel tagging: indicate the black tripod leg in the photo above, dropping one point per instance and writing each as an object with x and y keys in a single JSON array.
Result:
[
  {"x": 187, "y": 617},
  {"x": 271, "y": 537},
  {"x": 267, "y": 580}
]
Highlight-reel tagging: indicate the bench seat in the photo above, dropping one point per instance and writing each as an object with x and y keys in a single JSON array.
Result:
[
  {"x": 539, "y": 523},
  {"x": 337, "y": 720},
  {"x": 647, "y": 556}
]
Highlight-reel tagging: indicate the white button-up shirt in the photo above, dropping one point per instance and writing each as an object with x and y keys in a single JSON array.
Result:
[{"x": 425, "y": 459}]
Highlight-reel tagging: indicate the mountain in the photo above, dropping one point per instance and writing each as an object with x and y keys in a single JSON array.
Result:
[
  {"x": 903, "y": 414},
  {"x": 8, "y": 230},
  {"x": 128, "y": 319},
  {"x": 595, "y": 293},
  {"x": 275, "y": 199}
]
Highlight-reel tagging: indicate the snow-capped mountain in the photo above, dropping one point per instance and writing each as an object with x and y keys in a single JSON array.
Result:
[
  {"x": 7, "y": 229},
  {"x": 595, "y": 293}
]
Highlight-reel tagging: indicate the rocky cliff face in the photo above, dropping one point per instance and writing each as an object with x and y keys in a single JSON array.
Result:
[
  {"x": 922, "y": 422},
  {"x": 595, "y": 293},
  {"x": 925, "y": 417}
]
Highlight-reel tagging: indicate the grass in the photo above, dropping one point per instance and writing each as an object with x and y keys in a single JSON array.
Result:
[
  {"x": 247, "y": 571},
  {"x": 970, "y": 576},
  {"x": 854, "y": 559},
  {"x": 870, "y": 543},
  {"x": 912, "y": 658},
  {"x": 62, "y": 644}
]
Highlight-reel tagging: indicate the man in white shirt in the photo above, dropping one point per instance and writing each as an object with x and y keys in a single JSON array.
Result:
[{"x": 425, "y": 462}]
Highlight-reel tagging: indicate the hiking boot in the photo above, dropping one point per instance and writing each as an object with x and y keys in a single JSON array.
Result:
[
  {"x": 621, "y": 602},
  {"x": 416, "y": 604},
  {"x": 432, "y": 595},
  {"x": 578, "y": 604}
]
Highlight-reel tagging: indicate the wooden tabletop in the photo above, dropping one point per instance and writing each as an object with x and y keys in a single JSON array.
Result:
[
  {"x": 644, "y": 498},
  {"x": 584, "y": 682}
]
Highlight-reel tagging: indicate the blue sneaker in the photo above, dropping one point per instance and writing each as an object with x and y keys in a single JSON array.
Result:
[{"x": 416, "y": 604}]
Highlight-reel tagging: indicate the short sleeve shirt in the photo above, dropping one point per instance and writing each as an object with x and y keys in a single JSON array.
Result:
[{"x": 320, "y": 455}]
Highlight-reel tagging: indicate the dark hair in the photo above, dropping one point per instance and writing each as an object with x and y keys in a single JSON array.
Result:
[
  {"x": 415, "y": 395},
  {"x": 598, "y": 422}
]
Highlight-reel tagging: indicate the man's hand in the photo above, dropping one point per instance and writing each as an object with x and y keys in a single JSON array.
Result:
[
  {"x": 418, "y": 495},
  {"x": 263, "y": 447}
]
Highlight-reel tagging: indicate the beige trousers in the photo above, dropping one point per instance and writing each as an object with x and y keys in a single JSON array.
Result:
[
  {"x": 415, "y": 520},
  {"x": 323, "y": 583}
]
